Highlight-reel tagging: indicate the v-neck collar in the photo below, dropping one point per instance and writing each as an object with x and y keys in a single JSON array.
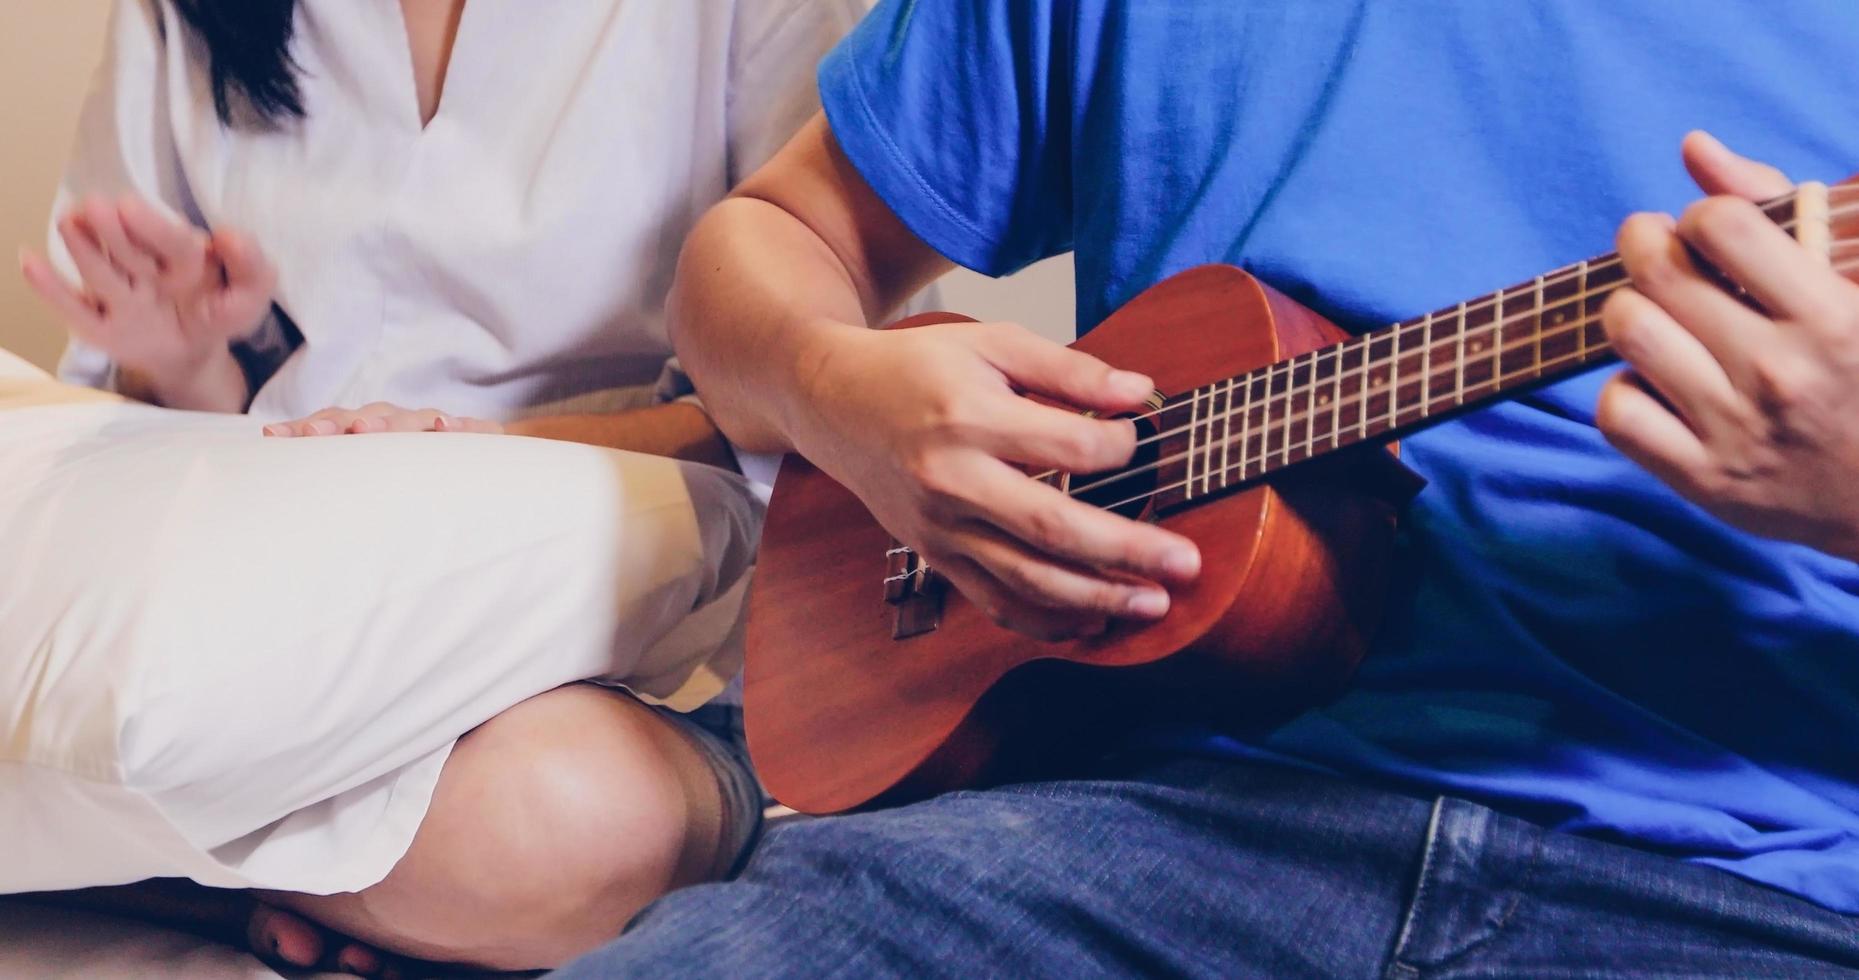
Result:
[{"x": 409, "y": 70}]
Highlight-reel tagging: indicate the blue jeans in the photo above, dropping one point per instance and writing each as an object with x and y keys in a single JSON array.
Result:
[{"x": 1217, "y": 869}]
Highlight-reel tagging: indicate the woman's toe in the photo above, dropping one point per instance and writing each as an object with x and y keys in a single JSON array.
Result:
[
  {"x": 292, "y": 939},
  {"x": 360, "y": 961}
]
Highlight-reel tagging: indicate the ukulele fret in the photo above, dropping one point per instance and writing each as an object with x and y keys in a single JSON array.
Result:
[
  {"x": 1194, "y": 432},
  {"x": 1458, "y": 388},
  {"x": 1226, "y": 437}
]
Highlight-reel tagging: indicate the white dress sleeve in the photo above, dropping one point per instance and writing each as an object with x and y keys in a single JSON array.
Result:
[
  {"x": 126, "y": 145},
  {"x": 776, "y": 49},
  {"x": 776, "y": 53}
]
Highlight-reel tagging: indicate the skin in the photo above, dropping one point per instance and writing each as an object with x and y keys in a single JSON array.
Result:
[
  {"x": 1745, "y": 409},
  {"x": 165, "y": 299},
  {"x": 769, "y": 314},
  {"x": 777, "y": 285},
  {"x": 553, "y": 823}
]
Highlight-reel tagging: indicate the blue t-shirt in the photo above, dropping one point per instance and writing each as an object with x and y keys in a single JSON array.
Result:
[{"x": 1574, "y": 643}]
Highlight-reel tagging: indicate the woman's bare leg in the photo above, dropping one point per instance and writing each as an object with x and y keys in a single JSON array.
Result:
[{"x": 551, "y": 825}]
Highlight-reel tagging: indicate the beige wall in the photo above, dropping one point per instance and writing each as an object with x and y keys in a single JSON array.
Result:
[{"x": 48, "y": 49}]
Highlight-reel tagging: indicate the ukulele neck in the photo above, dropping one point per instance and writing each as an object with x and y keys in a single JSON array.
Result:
[{"x": 1381, "y": 385}]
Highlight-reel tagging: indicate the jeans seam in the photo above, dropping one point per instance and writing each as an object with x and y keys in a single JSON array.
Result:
[
  {"x": 1511, "y": 905},
  {"x": 1399, "y": 958}
]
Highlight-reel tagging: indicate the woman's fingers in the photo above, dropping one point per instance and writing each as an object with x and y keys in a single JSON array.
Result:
[
  {"x": 79, "y": 313},
  {"x": 137, "y": 264},
  {"x": 247, "y": 270},
  {"x": 456, "y": 423},
  {"x": 180, "y": 249},
  {"x": 100, "y": 276},
  {"x": 378, "y": 417}
]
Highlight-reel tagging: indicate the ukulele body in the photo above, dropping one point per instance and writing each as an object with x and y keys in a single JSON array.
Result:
[{"x": 842, "y": 714}]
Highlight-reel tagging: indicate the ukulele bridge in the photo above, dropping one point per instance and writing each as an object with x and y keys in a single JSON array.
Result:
[{"x": 914, "y": 590}]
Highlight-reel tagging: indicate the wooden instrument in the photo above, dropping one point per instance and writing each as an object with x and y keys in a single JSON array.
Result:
[{"x": 871, "y": 682}]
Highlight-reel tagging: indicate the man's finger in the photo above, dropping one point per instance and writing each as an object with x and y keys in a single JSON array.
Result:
[
  {"x": 1022, "y": 431},
  {"x": 1012, "y": 612},
  {"x": 1647, "y": 432},
  {"x": 1737, "y": 239},
  {"x": 1673, "y": 361},
  {"x": 1719, "y": 170},
  {"x": 1051, "y": 522},
  {"x": 1037, "y": 579},
  {"x": 1662, "y": 269},
  {"x": 1032, "y": 363}
]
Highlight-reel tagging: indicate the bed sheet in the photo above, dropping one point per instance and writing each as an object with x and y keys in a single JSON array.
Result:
[{"x": 38, "y": 943}]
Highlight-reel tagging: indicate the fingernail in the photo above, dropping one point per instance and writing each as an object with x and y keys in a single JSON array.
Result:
[
  {"x": 1149, "y": 604},
  {"x": 274, "y": 430},
  {"x": 441, "y": 424},
  {"x": 1134, "y": 384},
  {"x": 1182, "y": 562}
]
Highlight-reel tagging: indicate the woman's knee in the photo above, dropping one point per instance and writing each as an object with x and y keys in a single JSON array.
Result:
[{"x": 551, "y": 826}]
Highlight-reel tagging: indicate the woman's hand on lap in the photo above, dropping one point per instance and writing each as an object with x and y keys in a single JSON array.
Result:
[
  {"x": 379, "y": 417},
  {"x": 162, "y": 298}
]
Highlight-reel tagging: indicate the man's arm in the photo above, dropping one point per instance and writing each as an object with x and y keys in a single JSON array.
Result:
[
  {"x": 929, "y": 426},
  {"x": 680, "y": 430},
  {"x": 801, "y": 253}
]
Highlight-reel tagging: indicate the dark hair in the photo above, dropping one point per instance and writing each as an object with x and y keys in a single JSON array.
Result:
[{"x": 248, "y": 46}]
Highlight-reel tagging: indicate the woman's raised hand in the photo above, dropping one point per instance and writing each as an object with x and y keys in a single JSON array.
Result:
[
  {"x": 378, "y": 417},
  {"x": 162, "y": 298}
]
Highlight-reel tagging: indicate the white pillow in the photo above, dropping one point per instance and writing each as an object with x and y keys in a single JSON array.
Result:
[{"x": 244, "y": 660}]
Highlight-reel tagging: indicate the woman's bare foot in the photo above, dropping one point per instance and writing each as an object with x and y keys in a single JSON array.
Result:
[
  {"x": 285, "y": 938},
  {"x": 276, "y": 936}
]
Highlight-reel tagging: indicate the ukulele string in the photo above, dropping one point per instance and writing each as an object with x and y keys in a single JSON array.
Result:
[
  {"x": 1840, "y": 267},
  {"x": 1847, "y": 197},
  {"x": 1310, "y": 390}
]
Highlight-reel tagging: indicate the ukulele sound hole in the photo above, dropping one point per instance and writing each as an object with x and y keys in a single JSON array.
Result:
[{"x": 1127, "y": 490}]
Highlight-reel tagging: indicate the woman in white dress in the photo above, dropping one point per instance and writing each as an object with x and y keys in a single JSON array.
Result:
[{"x": 279, "y": 206}]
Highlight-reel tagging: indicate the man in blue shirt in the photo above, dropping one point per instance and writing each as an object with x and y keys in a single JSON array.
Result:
[{"x": 1654, "y": 646}]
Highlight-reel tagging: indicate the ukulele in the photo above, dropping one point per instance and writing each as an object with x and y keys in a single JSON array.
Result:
[{"x": 870, "y": 682}]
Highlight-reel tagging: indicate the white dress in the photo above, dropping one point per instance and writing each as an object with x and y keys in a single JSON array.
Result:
[
  {"x": 509, "y": 258},
  {"x": 513, "y": 254}
]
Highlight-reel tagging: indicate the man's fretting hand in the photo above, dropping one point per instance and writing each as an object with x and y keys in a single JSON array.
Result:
[{"x": 1751, "y": 410}]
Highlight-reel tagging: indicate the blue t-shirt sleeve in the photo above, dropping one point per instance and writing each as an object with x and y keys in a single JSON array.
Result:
[{"x": 957, "y": 113}]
